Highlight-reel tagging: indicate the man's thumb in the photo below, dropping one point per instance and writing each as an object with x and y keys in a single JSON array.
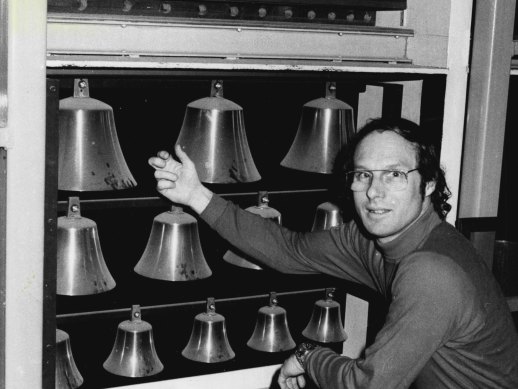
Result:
[{"x": 182, "y": 156}]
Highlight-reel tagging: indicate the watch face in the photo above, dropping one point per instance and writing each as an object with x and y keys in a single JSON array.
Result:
[{"x": 302, "y": 350}]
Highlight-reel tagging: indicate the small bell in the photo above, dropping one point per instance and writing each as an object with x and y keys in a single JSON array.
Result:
[
  {"x": 271, "y": 333},
  {"x": 208, "y": 342},
  {"x": 133, "y": 353},
  {"x": 90, "y": 157},
  {"x": 327, "y": 215},
  {"x": 81, "y": 269},
  {"x": 67, "y": 374},
  {"x": 213, "y": 135},
  {"x": 325, "y": 325},
  {"x": 262, "y": 209},
  {"x": 173, "y": 251},
  {"x": 325, "y": 127}
]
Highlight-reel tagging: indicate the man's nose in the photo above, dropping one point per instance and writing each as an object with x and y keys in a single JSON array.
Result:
[{"x": 376, "y": 188}]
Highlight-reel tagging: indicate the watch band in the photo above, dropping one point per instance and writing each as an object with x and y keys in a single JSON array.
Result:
[{"x": 302, "y": 352}]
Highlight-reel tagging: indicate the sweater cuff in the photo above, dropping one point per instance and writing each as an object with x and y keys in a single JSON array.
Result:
[{"x": 214, "y": 210}]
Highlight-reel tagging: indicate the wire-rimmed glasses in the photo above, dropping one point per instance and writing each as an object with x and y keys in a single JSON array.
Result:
[{"x": 392, "y": 179}]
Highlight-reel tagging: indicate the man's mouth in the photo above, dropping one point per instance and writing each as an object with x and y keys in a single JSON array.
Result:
[{"x": 378, "y": 211}]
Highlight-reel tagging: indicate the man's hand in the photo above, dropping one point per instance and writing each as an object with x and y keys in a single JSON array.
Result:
[
  {"x": 178, "y": 181},
  {"x": 291, "y": 375}
]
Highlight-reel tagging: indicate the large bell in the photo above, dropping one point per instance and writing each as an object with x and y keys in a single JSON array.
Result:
[
  {"x": 262, "y": 209},
  {"x": 81, "y": 269},
  {"x": 208, "y": 342},
  {"x": 173, "y": 251},
  {"x": 90, "y": 157},
  {"x": 325, "y": 127},
  {"x": 325, "y": 325},
  {"x": 213, "y": 135},
  {"x": 271, "y": 333},
  {"x": 67, "y": 374},
  {"x": 133, "y": 353},
  {"x": 327, "y": 215}
]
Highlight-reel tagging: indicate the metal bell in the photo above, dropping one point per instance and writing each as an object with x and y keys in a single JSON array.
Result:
[
  {"x": 173, "y": 251},
  {"x": 327, "y": 215},
  {"x": 133, "y": 353},
  {"x": 67, "y": 374},
  {"x": 262, "y": 209},
  {"x": 208, "y": 342},
  {"x": 90, "y": 157},
  {"x": 325, "y": 325},
  {"x": 271, "y": 333},
  {"x": 325, "y": 127},
  {"x": 213, "y": 135},
  {"x": 81, "y": 269}
]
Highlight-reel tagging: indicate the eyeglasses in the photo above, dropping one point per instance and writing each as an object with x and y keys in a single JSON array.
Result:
[{"x": 361, "y": 180}]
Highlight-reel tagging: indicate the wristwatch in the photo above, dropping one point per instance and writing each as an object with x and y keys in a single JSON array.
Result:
[{"x": 303, "y": 351}]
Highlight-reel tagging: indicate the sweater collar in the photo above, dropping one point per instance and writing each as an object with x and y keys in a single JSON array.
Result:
[{"x": 411, "y": 239}]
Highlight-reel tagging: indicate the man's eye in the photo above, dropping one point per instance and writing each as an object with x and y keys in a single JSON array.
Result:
[
  {"x": 394, "y": 174},
  {"x": 362, "y": 176}
]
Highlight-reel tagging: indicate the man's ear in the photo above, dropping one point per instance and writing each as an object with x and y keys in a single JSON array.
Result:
[{"x": 430, "y": 188}]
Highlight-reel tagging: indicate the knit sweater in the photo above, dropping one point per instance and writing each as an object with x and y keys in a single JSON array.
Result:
[{"x": 448, "y": 324}]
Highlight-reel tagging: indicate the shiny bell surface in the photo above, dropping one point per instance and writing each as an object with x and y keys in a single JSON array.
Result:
[
  {"x": 327, "y": 215},
  {"x": 208, "y": 342},
  {"x": 325, "y": 325},
  {"x": 262, "y": 209},
  {"x": 133, "y": 353},
  {"x": 213, "y": 136},
  {"x": 271, "y": 332},
  {"x": 81, "y": 269},
  {"x": 67, "y": 374},
  {"x": 325, "y": 126},
  {"x": 173, "y": 251},
  {"x": 90, "y": 157}
]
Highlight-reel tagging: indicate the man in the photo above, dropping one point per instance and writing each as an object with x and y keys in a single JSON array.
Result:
[{"x": 448, "y": 325}]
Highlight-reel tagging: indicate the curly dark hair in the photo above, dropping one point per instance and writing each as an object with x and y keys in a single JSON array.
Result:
[{"x": 428, "y": 163}]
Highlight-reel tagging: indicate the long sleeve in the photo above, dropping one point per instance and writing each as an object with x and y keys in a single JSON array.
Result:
[
  {"x": 423, "y": 313},
  {"x": 337, "y": 252}
]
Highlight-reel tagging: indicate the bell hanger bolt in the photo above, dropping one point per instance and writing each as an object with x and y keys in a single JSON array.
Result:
[
  {"x": 273, "y": 299},
  {"x": 330, "y": 292},
  {"x": 136, "y": 314}
]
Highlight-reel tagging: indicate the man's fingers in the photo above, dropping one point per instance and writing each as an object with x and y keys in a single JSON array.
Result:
[
  {"x": 157, "y": 162},
  {"x": 292, "y": 383},
  {"x": 165, "y": 175},
  {"x": 165, "y": 184},
  {"x": 163, "y": 154},
  {"x": 301, "y": 380}
]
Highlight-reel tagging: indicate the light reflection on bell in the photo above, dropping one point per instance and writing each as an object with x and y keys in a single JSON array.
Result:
[
  {"x": 81, "y": 269},
  {"x": 173, "y": 251},
  {"x": 213, "y": 135},
  {"x": 67, "y": 374},
  {"x": 133, "y": 353},
  {"x": 325, "y": 126},
  {"x": 208, "y": 342},
  {"x": 90, "y": 157},
  {"x": 271, "y": 333},
  {"x": 327, "y": 215},
  {"x": 325, "y": 325},
  {"x": 238, "y": 258}
]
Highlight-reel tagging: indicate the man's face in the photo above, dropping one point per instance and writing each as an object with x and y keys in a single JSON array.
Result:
[{"x": 384, "y": 213}]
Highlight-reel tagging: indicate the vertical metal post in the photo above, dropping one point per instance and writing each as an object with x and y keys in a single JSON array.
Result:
[
  {"x": 3, "y": 208},
  {"x": 487, "y": 106},
  {"x": 50, "y": 242},
  {"x": 3, "y": 63},
  {"x": 485, "y": 123}
]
